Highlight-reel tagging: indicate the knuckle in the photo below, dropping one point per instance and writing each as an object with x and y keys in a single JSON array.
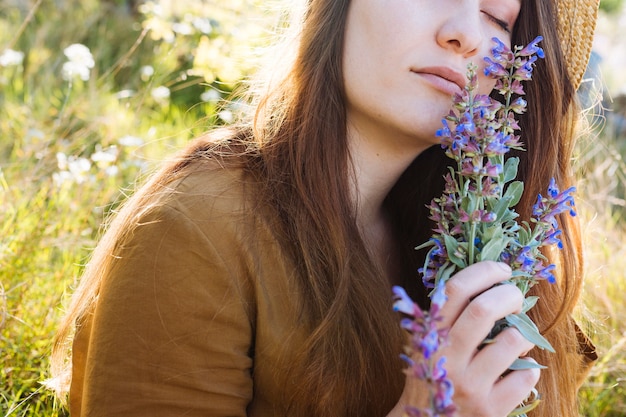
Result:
[
  {"x": 480, "y": 309},
  {"x": 513, "y": 293},
  {"x": 481, "y": 411},
  {"x": 509, "y": 295},
  {"x": 512, "y": 337},
  {"x": 530, "y": 377},
  {"x": 454, "y": 288},
  {"x": 467, "y": 391}
]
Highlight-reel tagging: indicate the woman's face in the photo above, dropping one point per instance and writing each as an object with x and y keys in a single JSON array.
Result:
[{"x": 404, "y": 59}]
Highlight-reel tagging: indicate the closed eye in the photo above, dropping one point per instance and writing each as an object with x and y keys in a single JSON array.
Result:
[{"x": 501, "y": 23}]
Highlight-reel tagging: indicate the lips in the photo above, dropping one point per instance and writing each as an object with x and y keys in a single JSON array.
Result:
[{"x": 444, "y": 79}]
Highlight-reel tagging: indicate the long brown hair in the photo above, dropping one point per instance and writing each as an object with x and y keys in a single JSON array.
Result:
[{"x": 297, "y": 147}]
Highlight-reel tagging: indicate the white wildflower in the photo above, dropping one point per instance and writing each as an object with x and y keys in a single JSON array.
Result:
[
  {"x": 147, "y": 71},
  {"x": 72, "y": 169},
  {"x": 226, "y": 116},
  {"x": 11, "y": 58},
  {"x": 72, "y": 70},
  {"x": 104, "y": 157},
  {"x": 161, "y": 93},
  {"x": 61, "y": 161},
  {"x": 210, "y": 96},
  {"x": 79, "y": 64},
  {"x": 203, "y": 25},
  {"x": 62, "y": 177},
  {"x": 123, "y": 94},
  {"x": 79, "y": 168},
  {"x": 130, "y": 141},
  {"x": 79, "y": 54},
  {"x": 151, "y": 7},
  {"x": 182, "y": 28},
  {"x": 111, "y": 170}
]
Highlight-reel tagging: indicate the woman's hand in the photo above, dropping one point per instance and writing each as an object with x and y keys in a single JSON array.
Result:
[{"x": 474, "y": 304}]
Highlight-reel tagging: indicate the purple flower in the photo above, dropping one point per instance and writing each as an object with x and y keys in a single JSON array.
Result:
[
  {"x": 553, "y": 190},
  {"x": 477, "y": 216},
  {"x": 519, "y": 105},
  {"x": 499, "y": 49},
  {"x": 475, "y": 167},
  {"x": 494, "y": 69},
  {"x": 545, "y": 273},
  {"x": 497, "y": 146},
  {"x": 553, "y": 239},
  {"x": 501, "y": 52},
  {"x": 525, "y": 260},
  {"x": 426, "y": 338},
  {"x": 525, "y": 71},
  {"x": 517, "y": 88},
  {"x": 443, "y": 398},
  {"x": 403, "y": 302},
  {"x": 438, "y": 298},
  {"x": 439, "y": 372},
  {"x": 429, "y": 343},
  {"x": 510, "y": 121},
  {"x": 490, "y": 188},
  {"x": 533, "y": 49},
  {"x": 547, "y": 208},
  {"x": 407, "y": 359}
]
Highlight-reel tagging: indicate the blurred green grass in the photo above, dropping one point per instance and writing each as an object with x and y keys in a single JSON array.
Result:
[{"x": 70, "y": 152}]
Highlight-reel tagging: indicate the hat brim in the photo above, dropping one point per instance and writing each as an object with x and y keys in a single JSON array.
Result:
[{"x": 576, "y": 26}]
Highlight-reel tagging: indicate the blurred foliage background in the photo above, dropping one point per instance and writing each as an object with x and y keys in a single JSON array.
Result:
[{"x": 79, "y": 127}]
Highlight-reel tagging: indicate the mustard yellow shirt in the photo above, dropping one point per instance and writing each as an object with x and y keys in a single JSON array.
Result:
[{"x": 198, "y": 305}]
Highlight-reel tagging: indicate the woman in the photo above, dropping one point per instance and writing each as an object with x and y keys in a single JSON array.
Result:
[{"x": 252, "y": 275}]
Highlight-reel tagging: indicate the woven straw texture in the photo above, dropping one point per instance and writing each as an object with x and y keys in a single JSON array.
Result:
[{"x": 577, "y": 22}]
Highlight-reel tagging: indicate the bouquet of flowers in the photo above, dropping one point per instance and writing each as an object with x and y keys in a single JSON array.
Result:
[{"x": 476, "y": 220}]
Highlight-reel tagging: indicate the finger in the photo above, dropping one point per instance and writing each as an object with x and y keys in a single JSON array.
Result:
[
  {"x": 494, "y": 359},
  {"x": 478, "y": 318},
  {"x": 468, "y": 283},
  {"x": 514, "y": 388}
]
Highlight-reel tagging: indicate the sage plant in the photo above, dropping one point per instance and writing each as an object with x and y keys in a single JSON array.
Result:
[{"x": 476, "y": 220}]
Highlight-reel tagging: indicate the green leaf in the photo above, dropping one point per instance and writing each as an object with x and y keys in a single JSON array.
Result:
[
  {"x": 492, "y": 250},
  {"x": 514, "y": 192},
  {"x": 469, "y": 201},
  {"x": 520, "y": 364},
  {"x": 529, "y": 302},
  {"x": 425, "y": 245},
  {"x": 500, "y": 208},
  {"x": 510, "y": 169},
  {"x": 529, "y": 330},
  {"x": 517, "y": 274},
  {"x": 452, "y": 247},
  {"x": 524, "y": 234},
  {"x": 522, "y": 410},
  {"x": 491, "y": 232},
  {"x": 444, "y": 274},
  {"x": 508, "y": 216},
  {"x": 527, "y": 405}
]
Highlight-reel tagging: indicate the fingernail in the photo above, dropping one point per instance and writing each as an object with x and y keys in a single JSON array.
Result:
[{"x": 505, "y": 267}]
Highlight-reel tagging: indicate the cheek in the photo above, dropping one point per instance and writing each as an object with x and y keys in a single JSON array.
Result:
[{"x": 485, "y": 84}]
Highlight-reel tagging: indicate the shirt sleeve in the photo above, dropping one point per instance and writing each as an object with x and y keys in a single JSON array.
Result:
[{"x": 172, "y": 330}]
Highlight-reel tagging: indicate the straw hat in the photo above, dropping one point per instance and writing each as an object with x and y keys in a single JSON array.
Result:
[{"x": 577, "y": 22}]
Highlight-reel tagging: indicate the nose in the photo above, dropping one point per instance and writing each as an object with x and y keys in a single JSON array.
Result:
[{"x": 461, "y": 31}]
